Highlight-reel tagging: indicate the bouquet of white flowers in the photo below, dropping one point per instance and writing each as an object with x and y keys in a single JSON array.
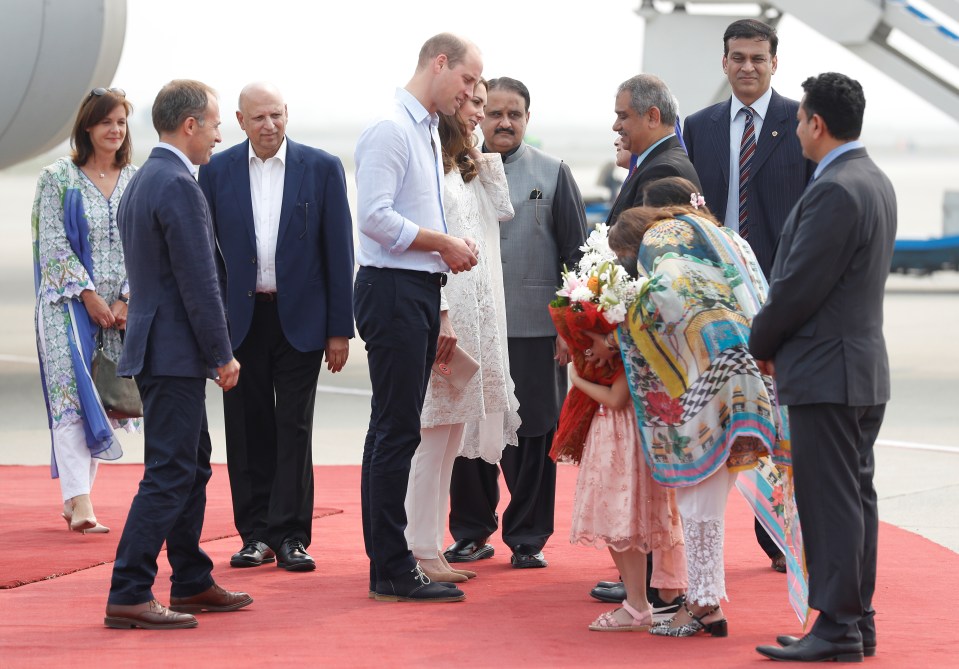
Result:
[{"x": 599, "y": 283}]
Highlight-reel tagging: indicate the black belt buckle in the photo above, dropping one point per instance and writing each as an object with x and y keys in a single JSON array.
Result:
[
  {"x": 441, "y": 277},
  {"x": 265, "y": 297}
]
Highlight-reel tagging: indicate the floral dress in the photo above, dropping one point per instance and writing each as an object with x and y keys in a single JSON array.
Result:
[
  {"x": 477, "y": 311},
  {"x": 61, "y": 277}
]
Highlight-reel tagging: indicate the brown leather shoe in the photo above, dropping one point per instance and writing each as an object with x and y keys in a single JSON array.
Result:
[
  {"x": 215, "y": 599},
  {"x": 149, "y": 615}
]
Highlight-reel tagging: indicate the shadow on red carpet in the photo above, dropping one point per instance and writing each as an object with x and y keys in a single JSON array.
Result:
[{"x": 522, "y": 618}]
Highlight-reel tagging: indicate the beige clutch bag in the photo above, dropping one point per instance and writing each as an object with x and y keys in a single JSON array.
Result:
[{"x": 459, "y": 370}]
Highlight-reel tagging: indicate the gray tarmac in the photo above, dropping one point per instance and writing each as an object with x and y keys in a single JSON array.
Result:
[{"x": 917, "y": 472}]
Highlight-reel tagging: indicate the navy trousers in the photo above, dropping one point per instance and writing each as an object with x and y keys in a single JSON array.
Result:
[
  {"x": 397, "y": 316},
  {"x": 171, "y": 500}
]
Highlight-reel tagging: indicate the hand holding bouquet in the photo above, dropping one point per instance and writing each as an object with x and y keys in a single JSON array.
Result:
[{"x": 593, "y": 298}]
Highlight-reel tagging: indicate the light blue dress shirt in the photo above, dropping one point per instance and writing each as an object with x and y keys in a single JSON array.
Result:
[
  {"x": 649, "y": 149},
  {"x": 737, "y": 123},
  {"x": 835, "y": 153},
  {"x": 399, "y": 187}
]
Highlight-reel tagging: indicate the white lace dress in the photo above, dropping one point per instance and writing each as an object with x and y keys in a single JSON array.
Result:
[{"x": 477, "y": 312}]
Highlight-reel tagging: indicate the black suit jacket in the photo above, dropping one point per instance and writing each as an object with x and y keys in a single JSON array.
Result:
[
  {"x": 822, "y": 321},
  {"x": 779, "y": 171},
  {"x": 666, "y": 160},
  {"x": 314, "y": 247}
]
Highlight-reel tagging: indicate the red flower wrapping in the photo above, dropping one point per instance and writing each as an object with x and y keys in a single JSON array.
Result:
[{"x": 579, "y": 408}]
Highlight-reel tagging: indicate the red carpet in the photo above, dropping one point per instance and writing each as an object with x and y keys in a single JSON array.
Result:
[
  {"x": 45, "y": 549},
  {"x": 528, "y": 618}
]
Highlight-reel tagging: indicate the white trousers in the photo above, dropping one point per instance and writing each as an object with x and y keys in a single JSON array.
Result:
[
  {"x": 77, "y": 468},
  {"x": 703, "y": 508},
  {"x": 428, "y": 492},
  {"x": 75, "y": 465}
]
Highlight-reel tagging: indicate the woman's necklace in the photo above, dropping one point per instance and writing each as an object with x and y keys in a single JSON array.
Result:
[{"x": 101, "y": 172}]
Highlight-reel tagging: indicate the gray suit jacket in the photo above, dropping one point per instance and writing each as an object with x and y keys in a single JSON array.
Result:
[
  {"x": 822, "y": 321},
  {"x": 545, "y": 234}
]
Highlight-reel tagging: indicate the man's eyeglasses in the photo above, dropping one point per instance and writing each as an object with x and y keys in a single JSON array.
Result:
[{"x": 103, "y": 91}]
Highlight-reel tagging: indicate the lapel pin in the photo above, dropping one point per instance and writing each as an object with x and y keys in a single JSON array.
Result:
[{"x": 775, "y": 133}]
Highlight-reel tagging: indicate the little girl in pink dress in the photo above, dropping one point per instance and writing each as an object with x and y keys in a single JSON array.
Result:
[{"x": 619, "y": 506}]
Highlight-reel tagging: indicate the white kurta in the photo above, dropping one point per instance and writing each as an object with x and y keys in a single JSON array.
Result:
[{"x": 477, "y": 313}]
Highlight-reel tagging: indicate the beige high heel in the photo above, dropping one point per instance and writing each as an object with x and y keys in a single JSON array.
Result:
[
  {"x": 463, "y": 572},
  {"x": 80, "y": 519},
  {"x": 434, "y": 569}
]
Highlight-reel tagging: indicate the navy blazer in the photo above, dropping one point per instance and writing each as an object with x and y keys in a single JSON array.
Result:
[
  {"x": 822, "y": 321},
  {"x": 176, "y": 323},
  {"x": 314, "y": 247},
  {"x": 779, "y": 171},
  {"x": 666, "y": 160}
]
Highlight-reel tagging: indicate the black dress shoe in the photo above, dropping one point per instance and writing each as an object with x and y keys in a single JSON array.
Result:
[
  {"x": 292, "y": 556},
  {"x": 608, "y": 584},
  {"x": 614, "y": 594},
  {"x": 779, "y": 563},
  {"x": 868, "y": 645},
  {"x": 468, "y": 550},
  {"x": 415, "y": 586},
  {"x": 813, "y": 649},
  {"x": 528, "y": 557},
  {"x": 253, "y": 554}
]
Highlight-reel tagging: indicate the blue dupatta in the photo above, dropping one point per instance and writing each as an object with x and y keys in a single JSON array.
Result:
[{"x": 97, "y": 427}]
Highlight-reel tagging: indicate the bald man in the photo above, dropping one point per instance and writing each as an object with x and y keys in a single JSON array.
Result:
[{"x": 283, "y": 226}]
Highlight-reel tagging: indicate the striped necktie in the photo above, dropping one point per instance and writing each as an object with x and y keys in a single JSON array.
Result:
[{"x": 747, "y": 148}]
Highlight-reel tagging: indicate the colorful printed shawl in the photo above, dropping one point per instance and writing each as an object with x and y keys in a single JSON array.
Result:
[{"x": 700, "y": 400}]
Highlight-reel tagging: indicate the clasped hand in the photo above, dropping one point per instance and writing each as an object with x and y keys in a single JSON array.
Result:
[{"x": 460, "y": 254}]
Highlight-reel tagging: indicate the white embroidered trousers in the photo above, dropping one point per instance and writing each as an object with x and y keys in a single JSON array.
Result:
[{"x": 703, "y": 509}]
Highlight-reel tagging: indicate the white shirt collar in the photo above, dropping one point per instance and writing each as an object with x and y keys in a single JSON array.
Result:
[
  {"x": 280, "y": 152},
  {"x": 760, "y": 106},
  {"x": 182, "y": 156}
]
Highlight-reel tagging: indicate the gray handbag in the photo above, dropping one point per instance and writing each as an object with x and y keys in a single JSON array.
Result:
[{"x": 119, "y": 394}]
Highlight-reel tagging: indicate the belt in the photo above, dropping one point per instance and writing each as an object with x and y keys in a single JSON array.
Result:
[
  {"x": 436, "y": 278},
  {"x": 265, "y": 297}
]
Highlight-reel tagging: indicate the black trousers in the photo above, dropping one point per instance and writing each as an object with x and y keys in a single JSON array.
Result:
[
  {"x": 269, "y": 433},
  {"x": 171, "y": 500},
  {"x": 833, "y": 465},
  {"x": 765, "y": 541},
  {"x": 397, "y": 316},
  {"x": 529, "y": 472},
  {"x": 530, "y": 476}
]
